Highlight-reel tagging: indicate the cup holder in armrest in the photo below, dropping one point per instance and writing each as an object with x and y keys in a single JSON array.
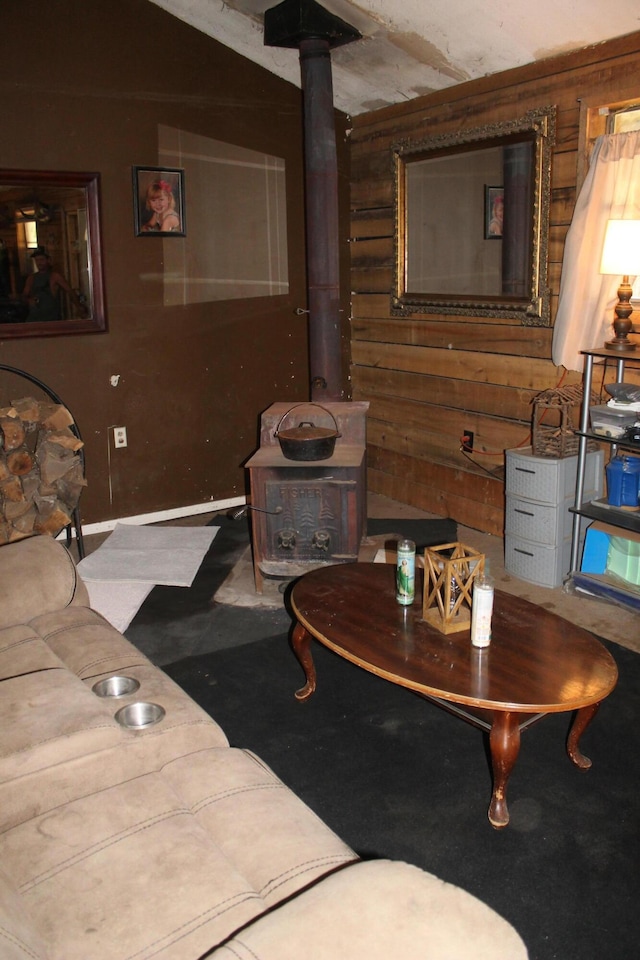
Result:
[
  {"x": 115, "y": 687},
  {"x": 138, "y": 716}
]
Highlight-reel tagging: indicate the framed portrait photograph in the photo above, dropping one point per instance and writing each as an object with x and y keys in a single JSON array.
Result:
[
  {"x": 158, "y": 202},
  {"x": 493, "y": 212}
]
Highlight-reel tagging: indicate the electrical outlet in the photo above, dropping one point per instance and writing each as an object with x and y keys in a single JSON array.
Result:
[
  {"x": 467, "y": 441},
  {"x": 119, "y": 436}
]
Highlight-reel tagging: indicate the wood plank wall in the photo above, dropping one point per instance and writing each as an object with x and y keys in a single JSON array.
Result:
[{"x": 428, "y": 378}]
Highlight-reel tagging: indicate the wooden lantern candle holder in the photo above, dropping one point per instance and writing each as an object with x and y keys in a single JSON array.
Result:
[{"x": 449, "y": 573}]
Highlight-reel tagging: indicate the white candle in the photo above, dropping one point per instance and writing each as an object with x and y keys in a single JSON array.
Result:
[{"x": 481, "y": 611}]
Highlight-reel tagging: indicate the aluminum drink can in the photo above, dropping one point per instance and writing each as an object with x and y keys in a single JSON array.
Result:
[{"x": 406, "y": 572}]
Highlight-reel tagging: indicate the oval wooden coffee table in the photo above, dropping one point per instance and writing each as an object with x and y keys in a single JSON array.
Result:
[{"x": 537, "y": 662}]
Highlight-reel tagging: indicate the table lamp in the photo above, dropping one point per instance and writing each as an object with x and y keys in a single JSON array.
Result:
[{"x": 621, "y": 255}]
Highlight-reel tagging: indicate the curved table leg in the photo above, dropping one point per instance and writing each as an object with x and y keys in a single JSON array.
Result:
[
  {"x": 301, "y": 643},
  {"x": 581, "y": 721},
  {"x": 504, "y": 740}
]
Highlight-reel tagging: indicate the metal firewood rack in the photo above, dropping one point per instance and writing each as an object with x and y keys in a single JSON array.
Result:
[{"x": 76, "y": 523}]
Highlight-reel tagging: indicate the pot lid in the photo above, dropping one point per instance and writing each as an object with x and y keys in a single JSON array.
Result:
[{"x": 307, "y": 431}]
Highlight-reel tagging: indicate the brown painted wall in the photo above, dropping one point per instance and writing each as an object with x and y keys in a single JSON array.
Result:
[
  {"x": 429, "y": 378},
  {"x": 84, "y": 87}
]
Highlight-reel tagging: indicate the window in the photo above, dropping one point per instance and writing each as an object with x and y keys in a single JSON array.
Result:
[
  {"x": 30, "y": 234},
  {"x": 624, "y": 120},
  {"x": 620, "y": 117}
]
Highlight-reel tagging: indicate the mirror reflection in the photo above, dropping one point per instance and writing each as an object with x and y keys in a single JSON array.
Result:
[
  {"x": 50, "y": 263},
  {"x": 485, "y": 184},
  {"x": 472, "y": 222}
]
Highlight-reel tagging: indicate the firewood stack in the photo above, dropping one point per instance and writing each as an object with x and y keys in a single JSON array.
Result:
[{"x": 41, "y": 469}]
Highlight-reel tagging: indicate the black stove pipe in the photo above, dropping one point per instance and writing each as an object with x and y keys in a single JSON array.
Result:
[
  {"x": 314, "y": 31},
  {"x": 321, "y": 182}
]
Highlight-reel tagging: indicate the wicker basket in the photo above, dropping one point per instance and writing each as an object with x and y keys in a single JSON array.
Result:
[{"x": 553, "y": 433}]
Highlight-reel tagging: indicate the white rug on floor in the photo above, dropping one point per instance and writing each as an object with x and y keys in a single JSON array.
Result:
[
  {"x": 134, "y": 558},
  {"x": 118, "y": 602}
]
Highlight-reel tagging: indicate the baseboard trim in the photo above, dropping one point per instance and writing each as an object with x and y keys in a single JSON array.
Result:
[{"x": 212, "y": 506}]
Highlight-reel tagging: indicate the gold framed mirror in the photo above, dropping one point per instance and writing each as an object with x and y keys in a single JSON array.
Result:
[
  {"x": 472, "y": 221},
  {"x": 51, "y": 277}
]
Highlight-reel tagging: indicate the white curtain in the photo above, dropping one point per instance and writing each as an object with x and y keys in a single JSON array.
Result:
[{"x": 611, "y": 190}]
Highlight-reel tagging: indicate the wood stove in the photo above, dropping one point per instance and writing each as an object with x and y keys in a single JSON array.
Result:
[
  {"x": 310, "y": 513},
  {"x": 307, "y": 514}
]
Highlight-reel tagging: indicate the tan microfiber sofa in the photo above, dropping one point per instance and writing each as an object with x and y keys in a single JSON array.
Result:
[{"x": 165, "y": 841}]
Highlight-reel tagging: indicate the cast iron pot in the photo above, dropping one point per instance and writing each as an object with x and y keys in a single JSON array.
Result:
[{"x": 306, "y": 441}]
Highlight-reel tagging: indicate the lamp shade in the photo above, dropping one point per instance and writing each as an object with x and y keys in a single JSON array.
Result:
[{"x": 621, "y": 248}]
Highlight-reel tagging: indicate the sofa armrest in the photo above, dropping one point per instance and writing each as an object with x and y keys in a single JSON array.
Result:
[
  {"x": 373, "y": 911},
  {"x": 37, "y": 576}
]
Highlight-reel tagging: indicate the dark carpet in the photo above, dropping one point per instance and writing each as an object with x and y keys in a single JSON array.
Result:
[
  {"x": 397, "y": 777},
  {"x": 424, "y": 533},
  {"x": 175, "y": 622}
]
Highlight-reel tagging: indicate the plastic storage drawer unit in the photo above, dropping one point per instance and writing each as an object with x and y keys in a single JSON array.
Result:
[
  {"x": 538, "y": 520},
  {"x": 550, "y": 480},
  {"x": 543, "y": 565}
]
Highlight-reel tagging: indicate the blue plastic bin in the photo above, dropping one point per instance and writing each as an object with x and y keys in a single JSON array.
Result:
[{"x": 623, "y": 481}]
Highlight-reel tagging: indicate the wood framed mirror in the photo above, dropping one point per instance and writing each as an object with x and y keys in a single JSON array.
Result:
[
  {"x": 472, "y": 221},
  {"x": 51, "y": 277}
]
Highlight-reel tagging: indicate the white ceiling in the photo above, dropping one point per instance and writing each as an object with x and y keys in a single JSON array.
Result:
[{"x": 412, "y": 47}]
